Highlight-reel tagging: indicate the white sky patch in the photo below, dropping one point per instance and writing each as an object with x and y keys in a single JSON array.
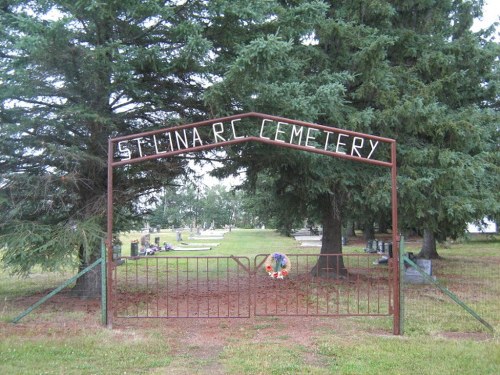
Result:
[
  {"x": 203, "y": 172},
  {"x": 309, "y": 39},
  {"x": 491, "y": 14}
]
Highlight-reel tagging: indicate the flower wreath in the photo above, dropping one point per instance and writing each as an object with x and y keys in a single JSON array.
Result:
[{"x": 277, "y": 265}]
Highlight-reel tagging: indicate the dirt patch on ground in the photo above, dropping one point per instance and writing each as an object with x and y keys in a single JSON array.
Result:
[{"x": 65, "y": 313}]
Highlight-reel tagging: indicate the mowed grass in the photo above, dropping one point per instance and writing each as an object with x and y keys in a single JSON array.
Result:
[
  {"x": 56, "y": 339},
  {"x": 237, "y": 242},
  {"x": 94, "y": 352},
  {"x": 363, "y": 354}
]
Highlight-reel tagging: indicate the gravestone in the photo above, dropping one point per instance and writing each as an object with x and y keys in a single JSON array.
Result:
[
  {"x": 412, "y": 276},
  {"x": 145, "y": 240},
  {"x": 134, "y": 248}
]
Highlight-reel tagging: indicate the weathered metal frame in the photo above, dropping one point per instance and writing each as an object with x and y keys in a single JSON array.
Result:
[
  {"x": 230, "y": 287},
  {"x": 177, "y": 280},
  {"x": 282, "y": 300},
  {"x": 392, "y": 164}
]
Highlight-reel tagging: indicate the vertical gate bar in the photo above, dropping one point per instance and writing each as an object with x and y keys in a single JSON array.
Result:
[
  {"x": 125, "y": 286},
  {"x": 115, "y": 275},
  {"x": 337, "y": 292},
  {"x": 358, "y": 287},
  {"x": 369, "y": 286},
  {"x": 167, "y": 291},
  {"x": 286, "y": 299},
  {"x": 276, "y": 294},
  {"x": 265, "y": 299},
  {"x": 157, "y": 288},
  {"x": 375, "y": 283},
  {"x": 250, "y": 280},
  {"x": 137, "y": 287},
  {"x": 307, "y": 284},
  {"x": 218, "y": 288},
  {"x": 328, "y": 292},
  {"x": 378, "y": 280},
  {"x": 208, "y": 288},
  {"x": 198, "y": 286},
  {"x": 247, "y": 287},
  {"x": 297, "y": 289},
  {"x": 390, "y": 278},
  {"x": 187, "y": 286},
  {"x": 238, "y": 288},
  {"x": 228, "y": 290},
  {"x": 254, "y": 287},
  {"x": 318, "y": 283},
  {"x": 378, "y": 294},
  {"x": 147, "y": 286},
  {"x": 177, "y": 287},
  {"x": 348, "y": 289}
]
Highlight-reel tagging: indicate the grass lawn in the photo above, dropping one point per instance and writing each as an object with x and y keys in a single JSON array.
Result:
[{"x": 64, "y": 336}]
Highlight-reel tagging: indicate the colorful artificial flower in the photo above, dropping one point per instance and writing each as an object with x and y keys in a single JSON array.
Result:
[{"x": 277, "y": 266}]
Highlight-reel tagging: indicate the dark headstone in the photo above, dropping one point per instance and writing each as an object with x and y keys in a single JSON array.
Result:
[{"x": 134, "y": 248}]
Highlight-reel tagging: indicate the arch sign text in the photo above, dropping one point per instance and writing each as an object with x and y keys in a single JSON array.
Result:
[{"x": 251, "y": 127}]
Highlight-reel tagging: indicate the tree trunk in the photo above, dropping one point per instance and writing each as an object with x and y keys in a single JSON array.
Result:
[
  {"x": 89, "y": 284},
  {"x": 428, "y": 250},
  {"x": 351, "y": 232},
  {"x": 384, "y": 224},
  {"x": 368, "y": 231},
  {"x": 330, "y": 265}
]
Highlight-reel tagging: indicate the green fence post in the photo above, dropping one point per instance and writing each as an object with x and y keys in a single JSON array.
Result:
[
  {"x": 104, "y": 283},
  {"x": 401, "y": 284}
]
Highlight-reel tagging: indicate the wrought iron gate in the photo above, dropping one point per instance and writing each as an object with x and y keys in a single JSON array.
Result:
[{"x": 233, "y": 287}]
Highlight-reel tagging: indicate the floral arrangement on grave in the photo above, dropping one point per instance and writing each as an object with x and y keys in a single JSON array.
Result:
[{"x": 277, "y": 265}]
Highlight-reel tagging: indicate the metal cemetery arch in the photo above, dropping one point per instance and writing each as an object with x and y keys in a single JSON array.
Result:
[{"x": 272, "y": 130}]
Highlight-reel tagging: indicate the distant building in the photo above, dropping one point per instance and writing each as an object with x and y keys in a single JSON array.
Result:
[{"x": 486, "y": 226}]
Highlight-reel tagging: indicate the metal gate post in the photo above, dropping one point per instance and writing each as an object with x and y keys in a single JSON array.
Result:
[
  {"x": 109, "y": 238},
  {"x": 395, "y": 243}
]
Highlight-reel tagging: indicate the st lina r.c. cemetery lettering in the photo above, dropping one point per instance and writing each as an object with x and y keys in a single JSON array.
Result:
[{"x": 267, "y": 130}]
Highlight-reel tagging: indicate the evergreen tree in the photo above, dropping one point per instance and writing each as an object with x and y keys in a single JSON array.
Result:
[
  {"x": 73, "y": 74},
  {"x": 412, "y": 71}
]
